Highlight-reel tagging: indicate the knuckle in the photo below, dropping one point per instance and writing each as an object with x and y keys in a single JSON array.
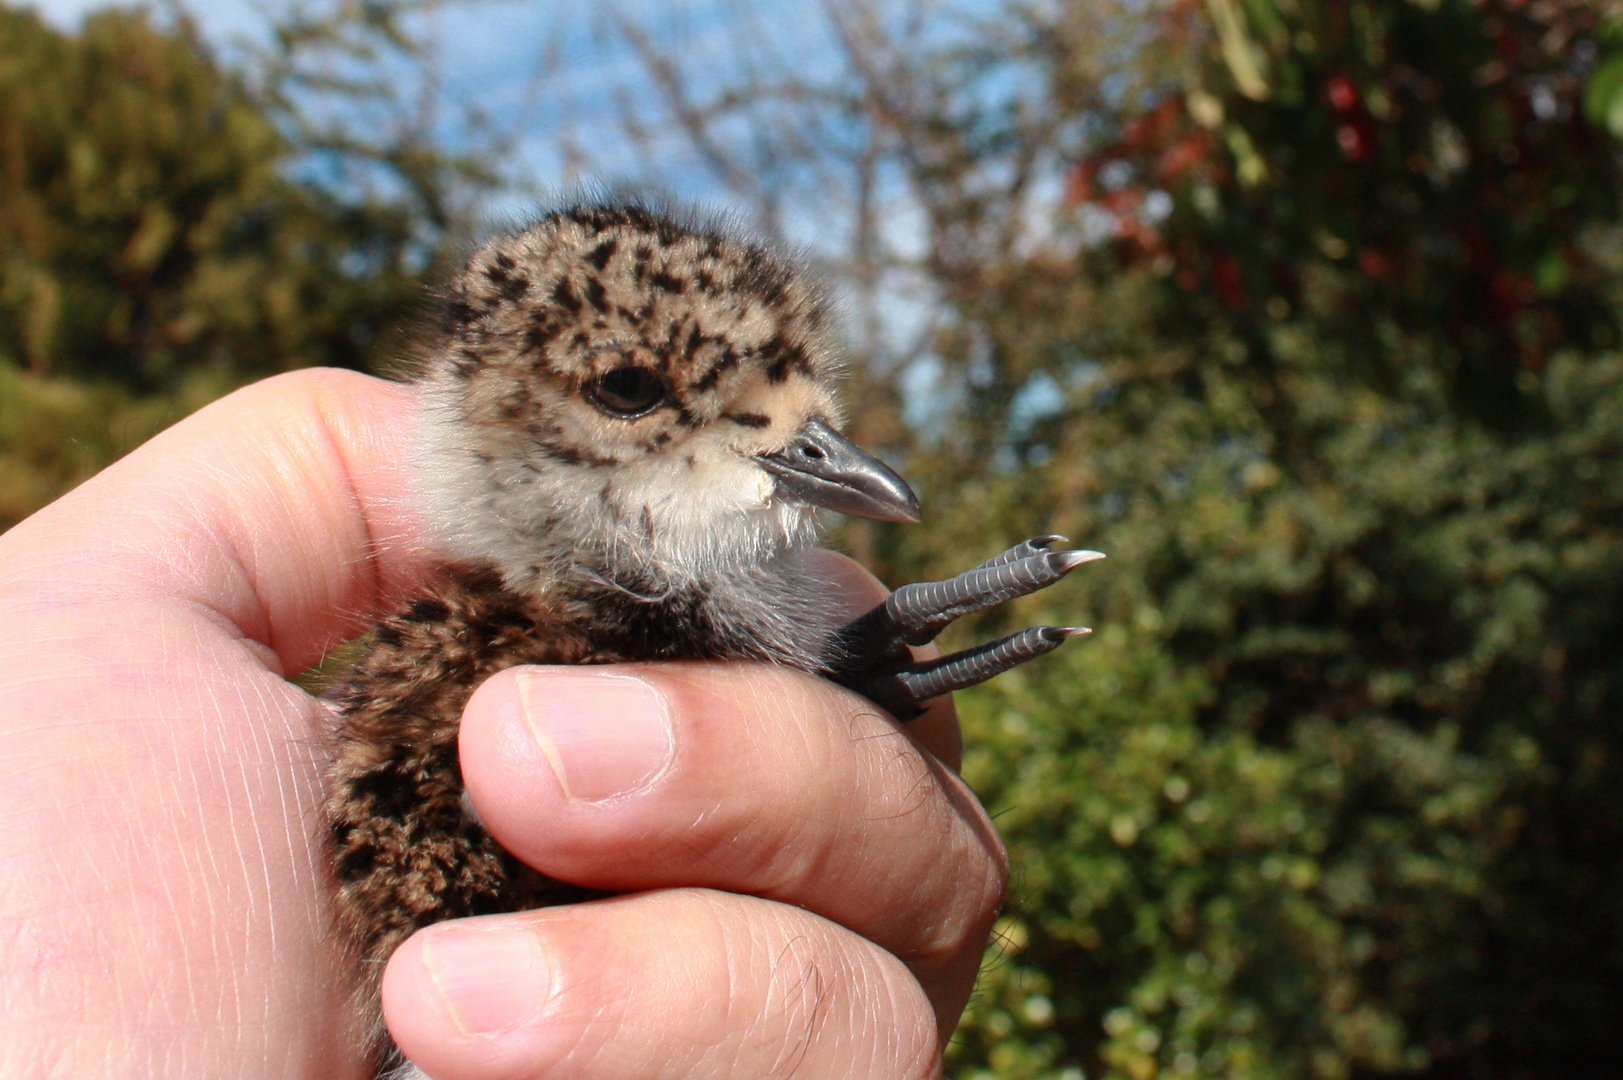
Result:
[
  {"x": 835, "y": 994},
  {"x": 807, "y": 998}
]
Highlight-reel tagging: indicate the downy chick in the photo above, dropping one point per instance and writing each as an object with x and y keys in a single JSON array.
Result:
[{"x": 628, "y": 422}]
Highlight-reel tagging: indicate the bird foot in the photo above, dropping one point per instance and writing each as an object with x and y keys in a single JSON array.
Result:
[{"x": 878, "y": 666}]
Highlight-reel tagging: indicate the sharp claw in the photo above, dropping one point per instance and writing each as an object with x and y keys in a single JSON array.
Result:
[{"x": 1064, "y": 562}]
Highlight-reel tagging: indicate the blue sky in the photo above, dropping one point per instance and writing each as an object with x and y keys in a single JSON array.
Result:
[
  {"x": 549, "y": 72},
  {"x": 220, "y": 17},
  {"x": 494, "y": 54}
]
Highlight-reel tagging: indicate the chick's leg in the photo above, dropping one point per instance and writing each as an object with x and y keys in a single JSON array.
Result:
[{"x": 876, "y": 662}]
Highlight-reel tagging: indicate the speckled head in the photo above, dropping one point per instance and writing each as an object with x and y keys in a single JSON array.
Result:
[{"x": 614, "y": 394}]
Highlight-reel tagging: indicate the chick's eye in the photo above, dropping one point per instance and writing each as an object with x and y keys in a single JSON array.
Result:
[{"x": 627, "y": 392}]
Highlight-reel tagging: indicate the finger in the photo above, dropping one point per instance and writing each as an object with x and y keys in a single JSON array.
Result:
[
  {"x": 745, "y": 777},
  {"x": 685, "y": 984},
  {"x": 280, "y": 510}
]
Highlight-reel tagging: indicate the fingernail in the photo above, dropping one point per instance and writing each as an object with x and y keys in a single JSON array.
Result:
[
  {"x": 604, "y": 735},
  {"x": 491, "y": 979}
]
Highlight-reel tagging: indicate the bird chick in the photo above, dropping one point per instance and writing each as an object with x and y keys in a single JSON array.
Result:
[{"x": 628, "y": 423}]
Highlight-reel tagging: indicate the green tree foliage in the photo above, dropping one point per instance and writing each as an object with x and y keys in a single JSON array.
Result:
[
  {"x": 1335, "y": 790},
  {"x": 170, "y": 228}
]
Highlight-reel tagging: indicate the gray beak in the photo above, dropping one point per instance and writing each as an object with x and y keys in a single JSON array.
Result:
[{"x": 821, "y": 467}]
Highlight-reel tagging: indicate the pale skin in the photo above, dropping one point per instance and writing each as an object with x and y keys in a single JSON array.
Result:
[{"x": 811, "y": 886}]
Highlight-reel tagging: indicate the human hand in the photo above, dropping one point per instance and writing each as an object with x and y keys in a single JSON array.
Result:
[{"x": 163, "y": 910}]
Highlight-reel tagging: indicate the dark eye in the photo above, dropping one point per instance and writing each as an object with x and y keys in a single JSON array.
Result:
[{"x": 627, "y": 392}]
